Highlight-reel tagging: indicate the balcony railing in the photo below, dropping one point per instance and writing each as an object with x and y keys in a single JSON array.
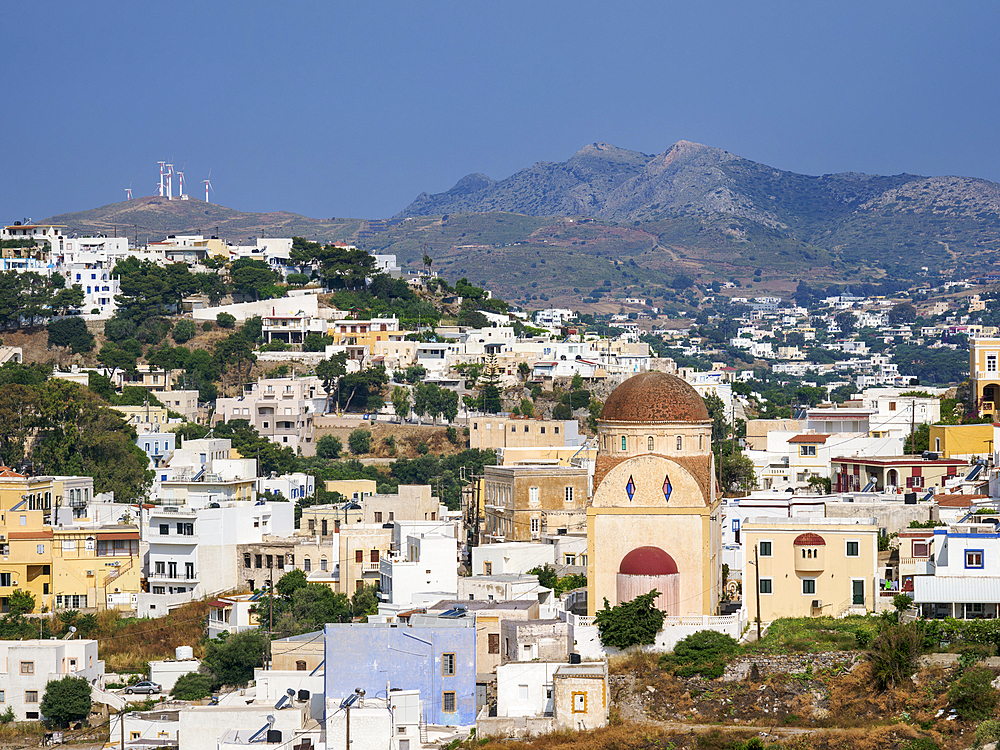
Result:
[{"x": 370, "y": 567}]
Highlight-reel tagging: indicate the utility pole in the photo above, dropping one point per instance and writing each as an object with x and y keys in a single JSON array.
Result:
[{"x": 913, "y": 420}]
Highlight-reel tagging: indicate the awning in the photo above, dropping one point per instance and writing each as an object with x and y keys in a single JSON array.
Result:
[{"x": 956, "y": 589}]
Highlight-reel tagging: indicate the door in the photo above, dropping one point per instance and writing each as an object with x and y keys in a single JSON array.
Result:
[{"x": 858, "y": 592}]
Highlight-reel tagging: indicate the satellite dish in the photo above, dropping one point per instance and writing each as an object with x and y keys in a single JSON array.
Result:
[{"x": 270, "y": 719}]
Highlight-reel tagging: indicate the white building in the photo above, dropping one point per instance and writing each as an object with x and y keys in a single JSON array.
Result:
[
  {"x": 281, "y": 409},
  {"x": 27, "y": 666},
  {"x": 191, "y": 550},
  {"x": 290, "y": 486},
  {"x": 425, "y": 562}
]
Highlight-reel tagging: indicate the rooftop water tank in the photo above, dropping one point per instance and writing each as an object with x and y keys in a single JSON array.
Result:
[{"x": 183, "y": 652}]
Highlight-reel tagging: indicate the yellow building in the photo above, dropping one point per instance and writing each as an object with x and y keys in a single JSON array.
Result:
[
  {"x": 984, "y": 374},
  {"x": 26, "y": 543},
  {"x": 809, "y": 567},
  {"x": 95, "y": 568},
  {"x": 71, "y": 567},
  {"x": 351, "y": 489},
  {"x": 652, "y": 522},
  {"x": 144, "y": 418},
  {"x": 950, "y": 440}
]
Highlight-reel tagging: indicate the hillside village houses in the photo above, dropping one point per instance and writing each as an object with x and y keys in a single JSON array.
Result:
[{"x": 635, "y": 507}]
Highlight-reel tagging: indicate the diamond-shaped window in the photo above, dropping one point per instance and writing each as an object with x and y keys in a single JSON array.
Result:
[
  {"x": 630, "y": 488},
  {"x": 667, "y": 489}
]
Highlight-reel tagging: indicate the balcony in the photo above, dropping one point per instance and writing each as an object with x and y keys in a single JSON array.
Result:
[
  {"x": 176, "y": 578},
  {"x": 371, "y": 567},
  {"x": 916, "y": 566}
]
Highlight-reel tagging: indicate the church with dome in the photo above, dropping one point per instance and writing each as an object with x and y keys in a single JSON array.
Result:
[{"x": 652, "y": 522}]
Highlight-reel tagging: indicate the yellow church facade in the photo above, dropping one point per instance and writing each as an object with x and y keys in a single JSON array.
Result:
[{"x": 652, "y": 522}]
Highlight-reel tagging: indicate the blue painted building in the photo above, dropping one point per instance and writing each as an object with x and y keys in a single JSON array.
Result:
[
  {"x": 433, "y": 654},
  {"x": 156, "y": 445}
]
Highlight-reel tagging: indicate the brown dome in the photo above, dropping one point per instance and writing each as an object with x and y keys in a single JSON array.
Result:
[
  {"x": 647, "y": 561},
  {"x": 809, "y": 540},
  {"x": 654, "y": 397}
]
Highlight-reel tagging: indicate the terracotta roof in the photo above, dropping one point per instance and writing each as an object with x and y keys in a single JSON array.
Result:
[
  {"x": 813, "y": 540},
  {"x": 6, "y": 471},
  {"x": 647, "y": 561},
  {"x": 957, "y": 501},
  {"x": 808, "y": 439},
  {"x": 602, "y": 466},
  {"x": 45, "y": 533},
  {"x": 653, "y": 397}
]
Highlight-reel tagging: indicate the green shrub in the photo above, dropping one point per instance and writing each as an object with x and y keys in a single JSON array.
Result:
[
  {"x": 987, "y": 732},
  {"x": 329, "y": 446},
  {"x": 184, "y": 331},
  {"x": 225, "y": 320},
  {"x": 297, "y": 279},
  {"x": 894, "y": 653},
  {"x": 7, "y": 716},
  {"x": 972, "y": 696},
  {"x": 275, "y": 346},
  {"x": 207, "y": 326},
  {"x": 452, "y": 434},
  {"x": 192, "y": 687},
  {"x": 631, "y": 623},
  {"x": 360, "y": 441},
  {"x": 315, "y": 342},
  {"x": 703, "y": 653},
  {"x": 70, "y": 332}
]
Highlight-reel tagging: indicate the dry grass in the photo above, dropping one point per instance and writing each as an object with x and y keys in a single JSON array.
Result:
[{"x": 127, "y": 645}]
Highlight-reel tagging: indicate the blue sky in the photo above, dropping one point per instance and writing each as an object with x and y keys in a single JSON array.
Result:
[{"x": 352, "y": 109}]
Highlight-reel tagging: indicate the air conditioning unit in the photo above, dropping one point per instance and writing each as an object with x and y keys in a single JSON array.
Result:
[
  {"x": 817, "y": 603},
  {"x": 90, "y": 572}
]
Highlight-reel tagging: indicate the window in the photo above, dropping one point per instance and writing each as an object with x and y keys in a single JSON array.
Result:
[
  {"x": 991, "y": 363},
  {"x": 624, "y": 443},
  {"x": 973, "y": 558},
  {"x": 649, "y": 443},
  {"x": 3, "y": 697},
  {"x": 300, "y": 666},
  {"x": 27, "y": 667},
  {"x": 807, "y": 450},
  {"x": 448, "y": 702},
  {"x": 569, "y": 494},
  {"x": 522, "y": 692},
  {"x": 373, "y": 556},
  {"x": 534, "y": 525},
  {"x": 250, "y": 585},
  {"x": 764, "y": 549},
  {"x": 765, "y": 585},
  {"x": 307, "y": 565},
  {"x": 447, "y": 664},
  {"x": 41, "y": 549},
  {"x": 31, "y": 696},
  {"x": 487, "y": 568},
  {"x": 571, "y": 559},
  {"x": 808, "y": 585},
  {"x": 921, "y": 549},
  {"x": 258, "y": 561},
  {"x": 5, "y": 579},
  {"x": 270, "y": 562},
  {"x": 494, "y": 644},
  {"x": 161, "y": 567},
  {"x": 378, "y": 516},
  {"x": 579, "y": 703},
  {"x": 323, "y": 563},
  {"x": 164, "y": 529},
  {"x": 359, "y": 555},
  {"x": 680, "y": 442},
  {"x": 533, "y": 496},
  {"x": 189, "y": 571},
  {"x": 246, "y": 559},
  {"x": 853, "y": 549}
]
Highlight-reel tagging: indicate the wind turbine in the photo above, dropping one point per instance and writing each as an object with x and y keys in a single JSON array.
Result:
[
  {"x": 180, "y": 176},
  {"x": 208, "y": 185},
  {"x": 161, "y": 163},
  {"x": 128, "y": 192},
  {"x": 170, "y": 182}
]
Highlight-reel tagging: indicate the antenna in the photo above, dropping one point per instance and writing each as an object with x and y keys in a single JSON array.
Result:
[
  {"x": 161, "y": 163},
  {"x": 170, "y": 182}
]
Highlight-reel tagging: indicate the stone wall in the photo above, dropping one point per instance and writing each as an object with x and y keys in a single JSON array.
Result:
[{"x": 790, "y": 664}]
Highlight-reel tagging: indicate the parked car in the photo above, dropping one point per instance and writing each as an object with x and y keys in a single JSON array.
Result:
[{"x": 146, "y": 686}]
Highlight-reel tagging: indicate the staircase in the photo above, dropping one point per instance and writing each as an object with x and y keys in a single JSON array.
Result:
[
  {"x": 119, "y": 571},
  {"x": 423, "y": 731}
]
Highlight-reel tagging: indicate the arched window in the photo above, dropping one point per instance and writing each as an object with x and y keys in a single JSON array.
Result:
[
  {"x": 680, "y": 442},
  {"x": 649, "y": 443},
  {"x": 624, "y": 444}
]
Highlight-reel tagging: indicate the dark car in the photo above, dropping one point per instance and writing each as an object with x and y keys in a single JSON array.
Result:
[{"x": 144, "y": 687}]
